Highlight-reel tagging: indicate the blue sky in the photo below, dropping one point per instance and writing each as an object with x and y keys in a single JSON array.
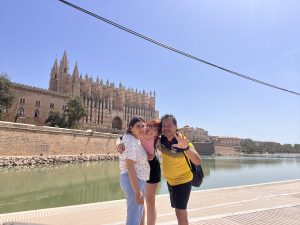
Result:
[{"x": 258, "y": 38}]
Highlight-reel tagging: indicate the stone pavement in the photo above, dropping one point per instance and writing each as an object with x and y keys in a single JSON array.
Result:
[{"x": 262, "y": 204}]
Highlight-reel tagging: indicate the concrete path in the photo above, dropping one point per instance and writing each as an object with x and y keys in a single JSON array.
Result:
[{"x": 270, "y": 203}]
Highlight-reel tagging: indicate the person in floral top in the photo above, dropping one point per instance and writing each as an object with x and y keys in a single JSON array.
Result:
[{"x": 135, "y": 171}]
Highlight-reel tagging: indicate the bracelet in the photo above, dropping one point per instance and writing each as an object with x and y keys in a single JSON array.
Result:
[{"x": 187, "y": 148}]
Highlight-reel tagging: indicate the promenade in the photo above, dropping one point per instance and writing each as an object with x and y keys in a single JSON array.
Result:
[{"x": 270, "y": 203}]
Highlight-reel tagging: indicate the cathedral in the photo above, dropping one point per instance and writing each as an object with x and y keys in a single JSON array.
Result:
[{"x": 108, "y": 107}]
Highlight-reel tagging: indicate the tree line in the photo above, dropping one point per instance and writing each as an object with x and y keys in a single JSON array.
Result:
[{"x": 249, "y": 146}]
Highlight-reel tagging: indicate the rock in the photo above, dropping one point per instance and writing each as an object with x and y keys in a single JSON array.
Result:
[{"x": 52, "y": 160}]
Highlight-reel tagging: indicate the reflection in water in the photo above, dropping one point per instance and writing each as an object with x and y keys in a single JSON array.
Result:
[
  {"x": 26, "y": 188},
  {"x": 236, "y": 163},
  {"x": 233, "y": 171},
  {"x": 45, "y": 187}
]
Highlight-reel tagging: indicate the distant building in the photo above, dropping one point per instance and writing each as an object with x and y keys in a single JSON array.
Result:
[
  {"x": 228, "y": 141},
  {"x": 108, "y": 106},
  {"x": 195, "y": 134}
]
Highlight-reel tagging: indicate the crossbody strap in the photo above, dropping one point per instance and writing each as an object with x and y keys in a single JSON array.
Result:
[{"x": 187, "y": 161}]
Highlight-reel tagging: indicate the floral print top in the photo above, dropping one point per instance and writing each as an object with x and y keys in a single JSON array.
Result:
[{"x": 134, "y": 151}]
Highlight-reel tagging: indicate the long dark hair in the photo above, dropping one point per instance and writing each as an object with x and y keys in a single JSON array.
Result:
[{"x": 133, "y": 121}]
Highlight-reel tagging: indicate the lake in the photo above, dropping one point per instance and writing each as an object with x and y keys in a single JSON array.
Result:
[{"x": 27, "y": 188}]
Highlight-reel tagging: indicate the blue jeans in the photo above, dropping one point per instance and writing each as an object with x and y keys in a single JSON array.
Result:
[{"x": 134, "y": 211}]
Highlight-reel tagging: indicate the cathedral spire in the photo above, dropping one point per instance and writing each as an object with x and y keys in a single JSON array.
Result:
[
  {"x": 55, "y": 65},
  {"x": 54, "y": 76},
  {"x": 75, "y": 75},
  {"x": 64, "y": 64},
  {"x": 65, "y": 58},
  {"x": 54, "y": 70},
  {"x": 75, "y": 82}
]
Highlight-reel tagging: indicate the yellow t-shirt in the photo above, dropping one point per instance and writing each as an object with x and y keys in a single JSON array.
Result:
[{"x": 174, "y": 165}]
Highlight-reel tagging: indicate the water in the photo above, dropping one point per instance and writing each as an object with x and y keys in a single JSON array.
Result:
[{"x": 54, "y": 186}]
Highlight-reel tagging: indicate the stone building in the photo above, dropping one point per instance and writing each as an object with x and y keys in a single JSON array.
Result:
[
  {"x": 228, "y": 141},
  {"x": 195, "y": 134},
  {"x": 107, "y": 106}
]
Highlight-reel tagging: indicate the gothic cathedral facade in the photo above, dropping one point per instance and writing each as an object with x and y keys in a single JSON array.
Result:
[{"x": 107, "y": 106}]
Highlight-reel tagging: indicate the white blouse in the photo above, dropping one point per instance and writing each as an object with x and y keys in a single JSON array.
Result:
[{"x": 135, "y": 152}]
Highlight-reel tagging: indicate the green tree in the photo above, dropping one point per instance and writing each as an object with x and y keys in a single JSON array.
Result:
[
  {"x": 6, "y": 95},
  {"x": 55, "y": 120},
  {"x": 297, "y": 148},
  {"x": 75, "y": 111},
  {"x": 249, "y": 146}
]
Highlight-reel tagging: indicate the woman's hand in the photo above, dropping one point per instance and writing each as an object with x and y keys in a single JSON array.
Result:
[
  {"x": 121, "y": 148},
  {"x": 182, "y": 141},
  {"x": 139, "y": 199},
  {"x": 150, "y": 156}
]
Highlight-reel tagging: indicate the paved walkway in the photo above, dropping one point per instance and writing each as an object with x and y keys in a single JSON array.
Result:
[{"x": 271, "y": 203}]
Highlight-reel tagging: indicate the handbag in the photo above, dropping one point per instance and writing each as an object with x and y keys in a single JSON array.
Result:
[{"x": 197, "y": 172}]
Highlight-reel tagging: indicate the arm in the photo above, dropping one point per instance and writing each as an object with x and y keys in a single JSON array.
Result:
[
  {"x": 158, "y": 144},
  {"x": 155, "y": 148},
  {"x": 134, "y": 182},
  {"x": 150, "y": 156},
  {"x": 193, "y": 155}
]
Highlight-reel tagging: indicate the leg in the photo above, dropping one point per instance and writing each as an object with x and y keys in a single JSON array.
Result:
[
  {"x": 143, "y": 218},
  {"x": 134, "y": 211},
  {"x": 182, "y": 216},
  {"x": 150, "y": 201},
  {"x": 179, "y": 197},
  {"x": 142, "y": 185}
]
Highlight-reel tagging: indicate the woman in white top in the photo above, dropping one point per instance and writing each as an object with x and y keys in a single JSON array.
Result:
[{"x": 135, "y": 171}]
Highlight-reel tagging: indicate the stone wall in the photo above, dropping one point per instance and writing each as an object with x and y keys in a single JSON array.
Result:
[
  {"x": 225, "y": 150},
  {"x": 204, "y": 148},
  {"x": 18, "y": 139}
]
